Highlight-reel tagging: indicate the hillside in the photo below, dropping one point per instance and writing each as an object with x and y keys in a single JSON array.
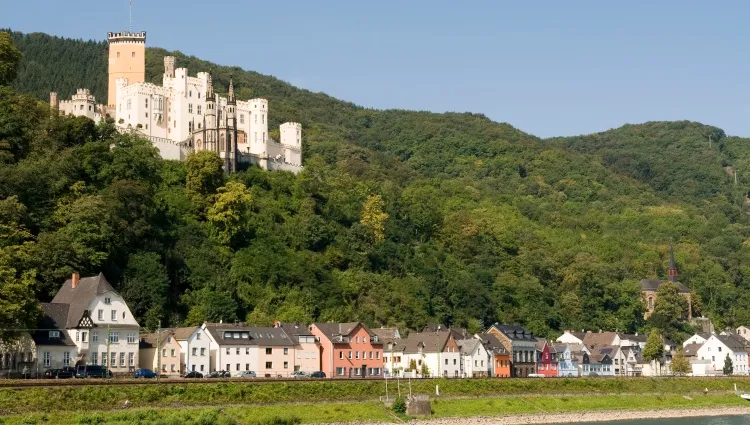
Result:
[{"x": 482, "y": 222}]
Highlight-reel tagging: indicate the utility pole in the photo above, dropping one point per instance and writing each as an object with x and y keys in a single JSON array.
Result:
[
  {"x": 438, "y": 351},
  {"x": 158, "y": 351}
]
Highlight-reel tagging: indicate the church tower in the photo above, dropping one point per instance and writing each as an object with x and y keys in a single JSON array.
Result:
[
  {"x": 127, "y": 59},
  {"x": 230, "y": 150}
]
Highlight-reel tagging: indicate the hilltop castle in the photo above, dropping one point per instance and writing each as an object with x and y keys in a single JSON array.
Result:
[{"x": 184, "y": 114}]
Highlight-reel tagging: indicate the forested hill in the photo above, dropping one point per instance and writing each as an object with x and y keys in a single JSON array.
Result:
[{"x": 400, "y": 217}]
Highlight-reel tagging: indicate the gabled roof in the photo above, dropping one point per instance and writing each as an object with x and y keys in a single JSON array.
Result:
[
  {"x": 594, "y": 339},
  {"x": 491, "y": 343},
  {"x": 294, "y": 330},
  {"x": 734, "y": 342},
  {"x": 386, "y": 333},
  {"x": 81, "y": 296},
  {"x": 633, "y": 337},
  {"x": 654, "y": 284},
  {"x": 691, "y": 350},
  {"x": 430, "y": 342},
  {"x": 151, "y": 340},
  {"x": 515, "y": 332},
  {"x": 467, "y": 346},
  {"x": 433, "y": 327},
  {"x": 247, "y": 335},
  {"x": 53, "y": 319},
  {"x": 182, "y": 334},
  {"x": 339, "y": 332}
]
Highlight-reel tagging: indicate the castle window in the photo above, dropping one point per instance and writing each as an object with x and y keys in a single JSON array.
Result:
[
  {"x": 199, "y": 126},
  {"x": 118, "y": 54},
  {"x": 242, "y": 118},
  {"x": 81, "y": 108},
  {"x": 130, "y": 103},
  {"x": 650, "y": 303},
  {"x": 199, "y": 109},
  {"x": 256, "y": 119},
  {"x": 132, "y": 55},
  {"x": 89, "y": 107},
  {"x": 146, "y": 114},
  {"x": 146, "y": 103},
  {"x": 190, "y": 127},
  {"x": 263, "y": 118},
  {"x": 190, "y": 108},
  {"x": 199, "y": 95}
]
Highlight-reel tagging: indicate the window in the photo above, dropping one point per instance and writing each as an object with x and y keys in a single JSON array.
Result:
[
  {"x": 114, "y": 315},
  {"x": 202, "y": 368},
  {"x": 228, "y": 368},
  {"x": 341, "y": 354},
  {"x": 476, "y": 363},
  {"x": 198, "y": 336},
  {"x": 171, "y": 352},
  {"x": 377, "y": 355},
  {"x": 269, "y": 365},
  {"x": 94, "y": 358},
  {"x": 263, "y": 118},
  {"x": 199, "y": 109},
  {"x": 203, "y": 351},
  {"x": 286, "y": 365},
  {"x": 720, "y": 349},
  {"x": 256, "y": 119},
  {"x": 356, "y": 354},
  {"x": 357, "y": 339},
  {"x": 131, "y": 359},
  {"x": 114, "y": 337},
  {"x": 146, "y": 103},
  {"x": 113, "y": 359},
  {"x": 269, "y": 351},
  {"x": 132, "y": 338},
  {"x": 164, "y": 352},
  {"x": 146, "y": 114},
  {"x": 237, "y": 367},
  {"x": 101, "y": 315},
  {"x": 227, "y": 350},
  {"x": 454, "y": 361},
  {"x": 130, "y": 104},
  {"x": 247, "y": 350},
  {"x": 286, "y": 351},
  {"x": 78, "y": 334},
  {"x": 247, "y": 366},
  {"x": 299, "y": 355},
  {"x": 340, "y": 371},
  {"x": 118, "y": 54},
  {"x": 171, "y": 368},
  {"x": 237, "y": 351},
  {"x": 195, "y": 351},
  {"x": 84, "y": 336},
  {"x": 190, "y": 93},
  {"x": 54, "y": 334},
  {"x": 372, "y": 355},
  {"x": 104, "y": 359},
  {"x": 446, "y": 362},
  {"x": 132, "y": 55},
  {"x": 46, "y": 358},
  {"x": 242, "y": 118},
  {"x": 190, "y": 108}
]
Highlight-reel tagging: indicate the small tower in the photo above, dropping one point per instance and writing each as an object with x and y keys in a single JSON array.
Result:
[
  {"x": 169, "y": 62},
  {"x": 230, "y": 149},
  {"x": 672, "y": 266},
  {"x": 54, "y": 103},
  {"x": 210, "y": 125}
]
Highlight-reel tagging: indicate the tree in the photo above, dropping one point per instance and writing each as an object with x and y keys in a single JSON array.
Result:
[
  {"x": 204, "y": 177},
  {"x": 145, "y": 286},
  {"x": 680, "y": 364},
  {"x": 10, "y": 56},
  {"x": 654, "y": 349},
  {"x": 374, "y": 218},
  {"x": 670, "y": 309},
  {"x": 728, "y": 365},
  {"x": 227, "y": 217}
]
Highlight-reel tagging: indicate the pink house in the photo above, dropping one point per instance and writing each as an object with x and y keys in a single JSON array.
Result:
[
  {"x": 306, "y": 347},
  {"x": 348, "y": 350}
]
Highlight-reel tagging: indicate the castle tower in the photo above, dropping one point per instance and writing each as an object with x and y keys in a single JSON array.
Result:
[
  {"x": 54, "y": 103},
  {"x": 127, "y": 59},
  {"x": 230, "y": 149},
  {"x": 169, "y": 62},
  {"x": 210, "y": 124}
]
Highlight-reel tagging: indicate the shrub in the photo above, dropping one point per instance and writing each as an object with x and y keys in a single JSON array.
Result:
[{"x": 399, "y": 405}]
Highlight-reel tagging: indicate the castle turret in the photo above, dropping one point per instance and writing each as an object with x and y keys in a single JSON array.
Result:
[
  {"x": 230, "y": 149},
  {"x": 169, "y": 62},
  {"x": 54, "y": 103},
  {"x": 211, "y": 126},
  {"x": 127, "y": 59}
]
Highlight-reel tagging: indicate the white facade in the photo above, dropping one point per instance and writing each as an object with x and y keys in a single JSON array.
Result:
[
  {"x": 695, "y": 339},
  {"x": 196, "y": 351},
  {"x": 81, "y": 104},
  {"x": 177, "y": 115},
  {"x": 446, "y": 364},
  {"x": 112, "y": 317},
  {"x": 568, "y": 338},
  {"x": 715, "y": 352},
  {"x": 475, "y": 362}
]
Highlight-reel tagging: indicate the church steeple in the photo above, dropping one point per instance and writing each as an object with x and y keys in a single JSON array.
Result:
[{"x": 672, "y": 266}]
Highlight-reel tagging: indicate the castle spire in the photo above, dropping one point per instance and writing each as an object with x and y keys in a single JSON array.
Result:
[
  {"x": 209, "y": 87},
  {"x": 672, "y": 266},
  {"x": 230, "y": 96}
]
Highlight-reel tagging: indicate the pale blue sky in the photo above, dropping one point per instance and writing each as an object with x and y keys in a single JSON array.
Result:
[{"x": 547, "y": 67}]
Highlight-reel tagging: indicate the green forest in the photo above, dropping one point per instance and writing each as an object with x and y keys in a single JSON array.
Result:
[{"x": 399, "y": 218}]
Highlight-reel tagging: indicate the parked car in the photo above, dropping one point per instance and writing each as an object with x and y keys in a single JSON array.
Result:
[
  {"x": 318, "y": 374},
  {"x": 64, "y": 373},
  {"x": 93, "y": 371},
  {"x": 246, "y": 374},
  {"x": 144, "y": 373},
  {"x": 193, "y": 374},
  {"x": 298, "y": 374},
  {"x": 219, "y": 374}
]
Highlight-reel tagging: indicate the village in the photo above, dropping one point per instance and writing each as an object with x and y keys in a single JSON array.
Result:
[{"x": 88, "y": 323}]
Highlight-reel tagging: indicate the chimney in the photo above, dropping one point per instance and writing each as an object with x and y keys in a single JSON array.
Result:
[{"x": 74, "y": 280}]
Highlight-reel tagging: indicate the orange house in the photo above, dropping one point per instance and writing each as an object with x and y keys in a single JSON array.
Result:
[
  {"x": 500, "y": 356},
  {"x": 348, "y": 350}
]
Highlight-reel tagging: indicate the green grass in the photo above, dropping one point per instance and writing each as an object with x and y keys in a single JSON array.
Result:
[{"x": 105, "y": 397}]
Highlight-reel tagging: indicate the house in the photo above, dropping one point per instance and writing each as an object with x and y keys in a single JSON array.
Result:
[
  {"x": 609, "y": 340},
  {"x": 194, "y": 349},
  {"x": 87, "y": 322},
  {"x": 160, "y": 352},
  {"x": 499, "y": 357},
  {"x": 546, "y": 358},
  {"x": 698, "y": 338},
  {"x": 236, "y": 348},
  {"x": 18, "y": 355},
  {"x": 598, "y": 363},
  {"x": 633, "y": 340},
  {"x": 474, "y": 360},
  {"x": 522, "y": 346},
  {"x": 434, "y": 354},
  {"x": 348, "y": 349},
  {"x": 306, "y": 348},
  {"x": 698, "y": 366},
  {"x": 743, "y": 332},
  {"x": 393, "y": 355},
  {"x": 567, "y": 362},
  {"x": 384, "y": 334},
  {"x": 715, "y": 350},
  {"x": 570, "y": 337},
  {"x": 650, "y": 287}
]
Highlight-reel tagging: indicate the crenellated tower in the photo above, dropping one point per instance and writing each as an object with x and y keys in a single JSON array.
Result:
[{"x": 127, "y": 59}]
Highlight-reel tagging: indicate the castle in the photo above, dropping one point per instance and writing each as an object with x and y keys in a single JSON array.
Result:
[{"x": 184, "y": 114}]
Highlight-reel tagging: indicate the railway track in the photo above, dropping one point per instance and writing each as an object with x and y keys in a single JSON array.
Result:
[{"x": 74, "y": 382}]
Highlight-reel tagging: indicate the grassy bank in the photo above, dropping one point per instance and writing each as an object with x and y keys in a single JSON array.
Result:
[
  {"x": 373, "y": 411},
  {"x": 39, "y": 399}
]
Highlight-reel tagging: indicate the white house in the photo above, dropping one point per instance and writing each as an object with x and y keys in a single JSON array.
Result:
[
  {"x": 267, "y": 351},
  {"x": 743, "y": 332},
  {"x": 570, "y": 337},
  {"x": 715, "y": 350},
  {"x": 195, "y": 353},
  {"x": 474, "y": 358},
  {"x": 77, "y": 325},
  {"x": 437, "y": 353}
]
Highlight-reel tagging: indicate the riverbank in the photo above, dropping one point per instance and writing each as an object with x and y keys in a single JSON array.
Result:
[
  {"x": 586, "y": 417},
  {"x": 498, "y": 410}
]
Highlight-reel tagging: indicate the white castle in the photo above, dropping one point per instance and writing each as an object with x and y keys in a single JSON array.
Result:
[{"x": 184, "y": 114}]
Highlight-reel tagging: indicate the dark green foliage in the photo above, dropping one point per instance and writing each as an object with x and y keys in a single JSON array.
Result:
[
  {"x": 477, "y": 222},
  {"x": 399, "y": 405},
  {"x": 728, "y": 365}
]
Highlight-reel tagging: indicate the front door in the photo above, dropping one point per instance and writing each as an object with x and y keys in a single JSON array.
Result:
[{"x": 364, "y": 371}]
